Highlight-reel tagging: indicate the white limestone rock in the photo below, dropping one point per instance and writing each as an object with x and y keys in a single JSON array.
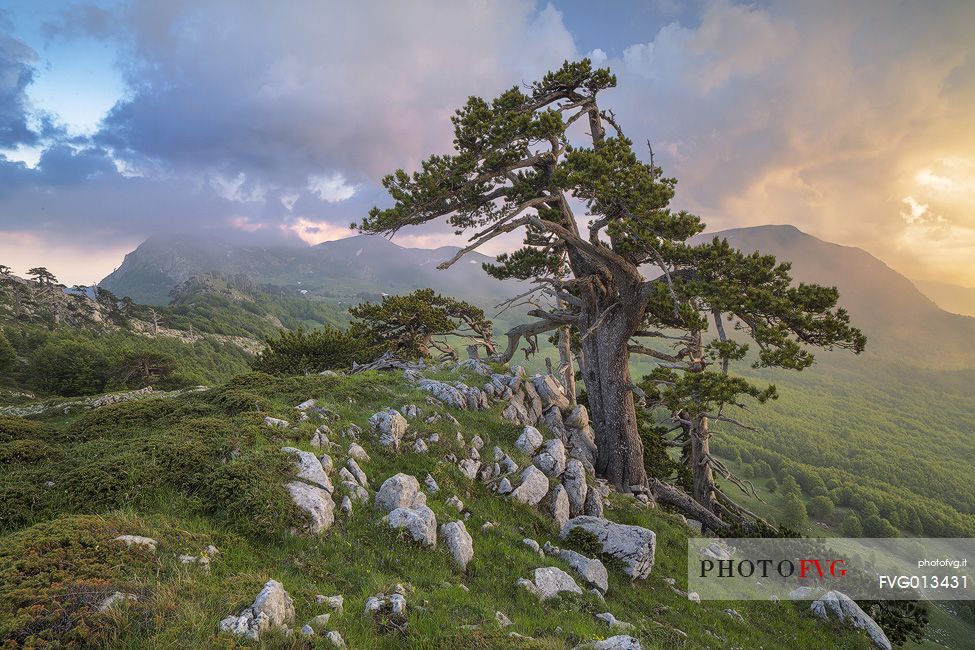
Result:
[
  {"x": 399, "y": 491},
  {"x": 551, "y": 458},
  {"x": 635, "y": 546},
  {"x": 533, "y": 486},
  {"x": 391, "y": 427},
  {"x": 529, "y": 440},
  {"x": 273, "y": 608},
  {"x": 316, "y": 503},
  {"x": 837, "y": 605},
  {"x": 459, "y": 543},
  {"x": 420, "y": 522}
]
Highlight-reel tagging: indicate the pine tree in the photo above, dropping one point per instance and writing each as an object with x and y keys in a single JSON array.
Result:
[{"x": 413, "y": 325}]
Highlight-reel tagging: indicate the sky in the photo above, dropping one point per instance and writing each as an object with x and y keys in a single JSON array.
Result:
[{"x": 121, "y": 119}]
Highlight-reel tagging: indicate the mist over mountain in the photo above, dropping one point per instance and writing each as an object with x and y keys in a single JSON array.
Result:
[
  {"x": 337, "y": 269},
  {"x": 900, "y": 322},
  {"x": 950, "y": 297}
]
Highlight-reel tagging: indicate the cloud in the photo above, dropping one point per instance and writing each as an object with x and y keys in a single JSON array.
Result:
[
  {"x": 17, "y": 62},
  {"x": 332, "y": 188},
  {"x": 279, "y": 121},
  {"x": 815, "y": 114}
]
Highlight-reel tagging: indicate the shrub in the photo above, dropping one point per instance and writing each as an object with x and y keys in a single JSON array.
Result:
[
  {"x": 302, "y": 352},
  {"x": 249, "y": 493},
  {"x": 54, "y": 575},
  {"x": 20, "y": 429}
]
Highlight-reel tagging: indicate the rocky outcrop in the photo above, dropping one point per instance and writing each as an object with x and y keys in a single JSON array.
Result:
[
  {"x": 574, "y": 480},
  {"x": 837, "y": 605},
  {"x": 273, "y": 608},
  {"x": 533, "y": 486},
  {"x": 635, "y": 546},
  {"x": 551, "y": 458}
]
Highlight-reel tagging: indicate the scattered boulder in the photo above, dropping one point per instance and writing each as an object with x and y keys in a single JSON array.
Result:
[
  {"x": 276, "y": 423},
  {"x": 273, "y": 608},
  {"x": 469, "y": 467},
  {"x": 443, "y": 392},
  {"x": 115, "y": 598},
  {"x": 420, "y": 522},
  {"x": 399, "y": 491},
  {"x": 459, "y": 542},
  {"x": 147, "y": 543},
  {"x": 551, "y": 458},
  {"x": 619, "y": 642},
  {"x": 502, "y": 619},
  {"x": 533, "y": 545},
  {"x": 310, "y": 469},
  {"x": 335, "y": 639},
  {"x": 551, "y": 581},
  {"x": 357, "y": 472},
  {"x": 505, "y": 487},
  {"x": 533, "y": 487},
  {"x": 613, "y": 622},
  {"x": 456, "y": 503},
  {"x": 836, "y": 604},
  {"x": 335, "y": 603},
  {"x": 550, "y": 391},
  {"x": 410, "y": 411},
  {"x": 529, "y": 440},
  {"x": 594, "y": 504},
  {"x": 391, "y": 427},
  {"x": 420, "y": 447},
  {"x": 634, "y": 545},
  {"x": 716, "y": 551},
  {"x": 327, "y": 464},
  {"x": 319, "y": 439},
  {"x": 590, "y": 569},
  {"x": 316, "y": 503},
  {"x": 357, "y": 452},
  {"x": 431, "y": 484}
]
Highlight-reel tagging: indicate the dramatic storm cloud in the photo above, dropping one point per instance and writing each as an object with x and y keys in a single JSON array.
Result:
[{"x": 279, "y": 120}]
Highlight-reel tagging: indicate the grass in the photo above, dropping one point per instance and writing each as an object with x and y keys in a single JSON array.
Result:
[{"x": 167, "y": 463}]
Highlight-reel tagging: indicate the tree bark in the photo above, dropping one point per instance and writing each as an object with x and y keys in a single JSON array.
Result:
[
  {"x": 612, "y": 410},
  {"x": 700, "y": 458}
]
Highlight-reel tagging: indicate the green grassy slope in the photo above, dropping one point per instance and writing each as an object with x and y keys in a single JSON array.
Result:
[{"x": 202, "y": 469}]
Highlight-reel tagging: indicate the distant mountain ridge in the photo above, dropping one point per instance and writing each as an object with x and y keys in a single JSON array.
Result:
[
  {"x": 339, "y": 269},
  {"x": 900, "y": 322}
]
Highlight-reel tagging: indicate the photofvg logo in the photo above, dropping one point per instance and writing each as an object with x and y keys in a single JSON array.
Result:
[{"x": 866, "y": 568}]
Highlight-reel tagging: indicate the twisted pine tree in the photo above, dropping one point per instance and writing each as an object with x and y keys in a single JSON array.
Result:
[{"x": 514, "y": 168}]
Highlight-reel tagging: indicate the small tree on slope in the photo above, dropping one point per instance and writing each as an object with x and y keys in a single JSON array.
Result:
[
  {"x": 414, "y": 324},
  {"x": 716, "y": 286}
]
